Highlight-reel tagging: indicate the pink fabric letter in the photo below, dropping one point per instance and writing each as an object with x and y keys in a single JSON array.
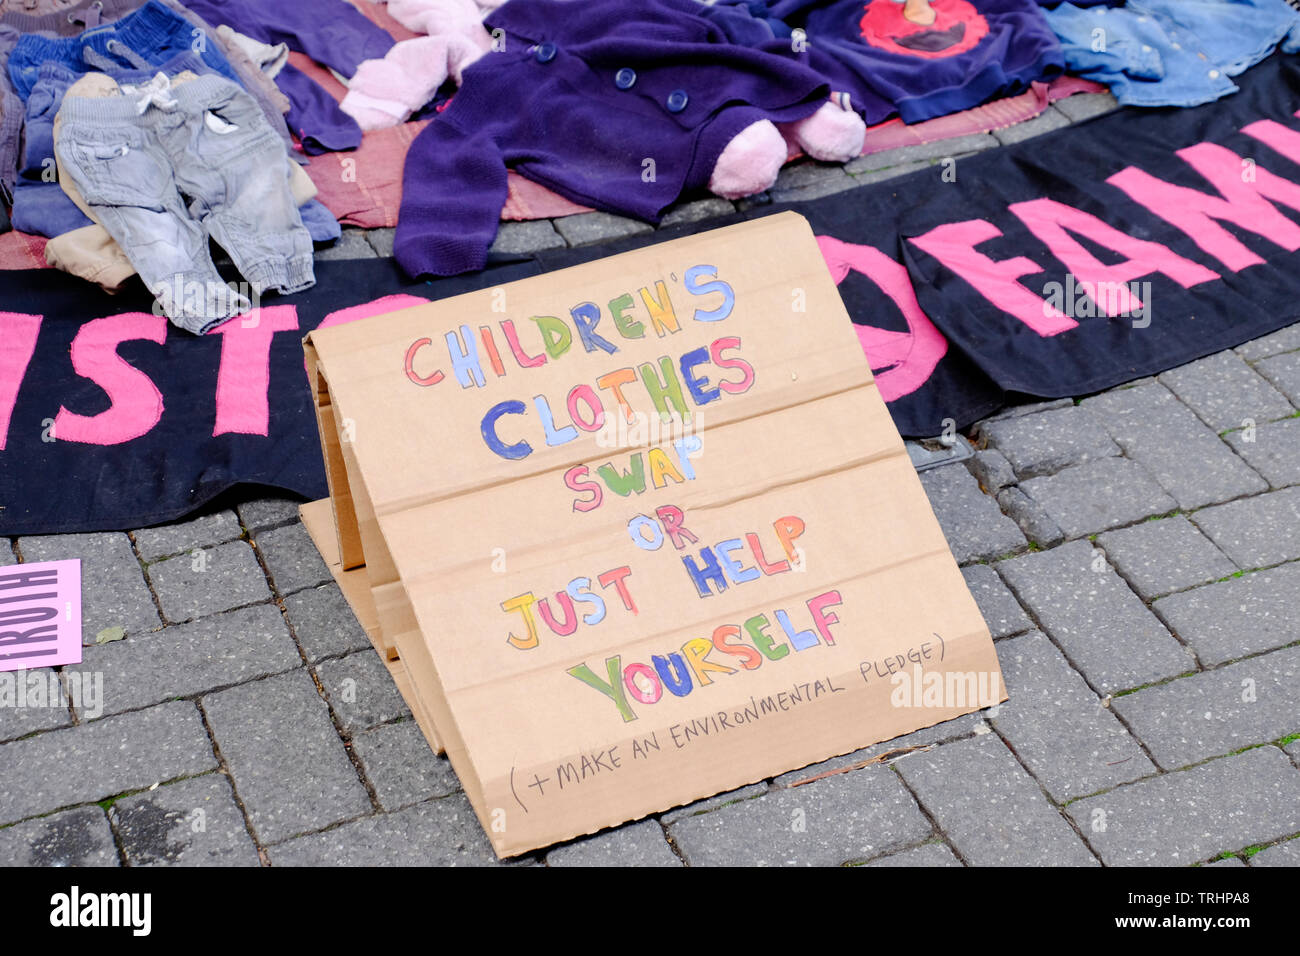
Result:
[
  {"x": 954, "y": 244},
  {"x": 1276, "y": 136},
  {"x": 902, "y": 361},
  {"x": 18, "y": 332},
  {"x": 135, "y": 404},
  {"x": 354, "y": 313},
  {"x": 389, "y": 303},
  {"x": 1244, "y": 203},
  {"x": 245, "y": 373},
  {"x": 1053, "y": 221}
]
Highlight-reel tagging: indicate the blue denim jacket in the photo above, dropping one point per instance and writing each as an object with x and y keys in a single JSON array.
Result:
[{"x": 1172, "y": 52}]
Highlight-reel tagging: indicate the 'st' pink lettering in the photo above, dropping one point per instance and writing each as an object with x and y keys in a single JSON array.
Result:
[
  {"x": 18, "y": 333},
  {"x": 245, "y": 373},
  {"x": 135, "y": 404}
]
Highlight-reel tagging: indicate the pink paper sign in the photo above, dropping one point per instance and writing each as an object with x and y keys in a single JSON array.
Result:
[{"x": 40, "y": 614}]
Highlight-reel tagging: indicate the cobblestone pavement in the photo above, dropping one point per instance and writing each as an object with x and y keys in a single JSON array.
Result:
[{"x": 1136, "y": 555}]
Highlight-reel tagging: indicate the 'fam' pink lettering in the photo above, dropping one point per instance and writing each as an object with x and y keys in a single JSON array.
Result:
[
  {"x": 1053, "y": 221},
  {"x": 1244, "y": 202},
  {"x": 954, "y": 244}
]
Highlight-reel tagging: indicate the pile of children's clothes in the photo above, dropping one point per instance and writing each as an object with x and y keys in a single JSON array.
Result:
[{"x": 132, "y": 132}]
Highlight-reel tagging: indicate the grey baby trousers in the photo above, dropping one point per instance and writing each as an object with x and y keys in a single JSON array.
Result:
[{"x": 165, "y": 173}]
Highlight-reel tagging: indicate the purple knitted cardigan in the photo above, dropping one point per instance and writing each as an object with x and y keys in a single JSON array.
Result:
[{"x": 617, "y": 104}]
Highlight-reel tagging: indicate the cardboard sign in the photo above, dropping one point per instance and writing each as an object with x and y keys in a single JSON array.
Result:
[
  {"x": 642, "y": 531},
  {"x": 40, "y": 614},
  {"x": 318, "y": 519}
]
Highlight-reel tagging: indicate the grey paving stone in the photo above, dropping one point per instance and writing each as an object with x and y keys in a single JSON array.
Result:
[
  {"x": 962, "y": 726},
  {"x": 816, "y": 190},
  {"x": 992, "y": 469},
  {"x": 989, "y": 808},
  {"x": 1257, "y": 531},
  {"x": 194, "y": 822},
  {"x": 1002, "y": 612},
  {"x": 1226, "y": 392},
  {"x": 633, "y": 844},
  {"x": 324, "y": 623},
  {"x": 520, "y": 238},
  {"x": 361, "y": 691},
  {"x": 7, "y": 556},
  {"x": 351, "y": 245},
  {"x": 210, "y": 580},
  {"x": 78, "y": 837},
  {"x": 1284, "y": 372},
  {"x": 267, "y": 512},
  {"x": 1272, "y": 449},
  {"x": 1281, "y": 854},
  {"x": 746, "y": 203},
  {"x": 1031, "y": 408},
  {"x": 44, "y": 702},
  {"x": 437, "y": 833},
  {"x": 1283, "y": 340},
  {"x": 927, "y": 854},
  {"x": 588, "y": 227},
  {"x": 113, "y": 590},
  {"x": 1103, "y": 627},
  {"x": 1293, "y": 748},
  {"x": 1219, "y": 711},
  {"x": 288, "y": 763},
  {"x": 1098, "y": 495},
  {"x": 188, "y": 659},
  {"x": 1046, "y": 121},
  {"x": 809, "y": 180},
  {"x": 841, "y": 819},
  {"x": 1184, "y": 455},
  {"x": 879, "y": 175},
  {"x": 1084, "y": 106},
  {"x": 975, "y": 527},
  {"x": 381, "y": 240},
  {"x": 202, "y": 532},
  {"x": 102, "y": 758},
  {"x": 709, "y": 804},
  {"x": 1058, "y": 727},
  {"x": 938, "y": 733},
  {"x": 1179, "y": 818},
  {"x": 1157, "y": 557},
  {"x": 292, "y": 559},
  {"x": 1227, "y": 861},
  {"x": 1046, "y": 442},
  {"x": 1246, "y": 615},
  {"x": 401, "y": 766},
  {"x": 697, "y": 211},
  {"x": 1030, "y": 517},
  {"x": 941, "y": 149},
  {"x": 808, "y": 173}
]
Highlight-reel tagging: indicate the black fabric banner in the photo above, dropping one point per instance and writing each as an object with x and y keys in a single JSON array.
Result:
[{"x": 1072, "y": 262}]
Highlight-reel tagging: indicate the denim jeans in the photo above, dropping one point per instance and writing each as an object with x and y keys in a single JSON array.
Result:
[
  {"x": 40, "y": 205},
  {"x": 147, "y": 38},
  {"x": 206, "y": 141}
]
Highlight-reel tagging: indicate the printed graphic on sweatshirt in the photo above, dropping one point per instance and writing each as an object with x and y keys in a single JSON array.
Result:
[{"x": 954, "y": 27}]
